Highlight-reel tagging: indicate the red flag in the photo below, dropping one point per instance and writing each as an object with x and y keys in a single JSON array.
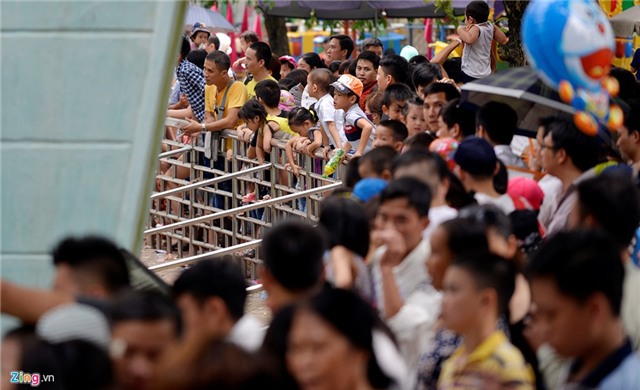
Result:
[
  {"x": 214, "y": 6},
  {"x": 233, "y": 54},
  {"x": 428, "y": 34},
  {"x": 245, "y": 20},
  {"x": 257, "y": 25}
]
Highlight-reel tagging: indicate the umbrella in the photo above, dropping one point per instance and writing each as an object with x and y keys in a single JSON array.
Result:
[
  {"x": 626, "y": 23},
  {"x": 521, "y": 89},
  {"x": 353, "y": 10},
  {"x": 213, "y": 20}
]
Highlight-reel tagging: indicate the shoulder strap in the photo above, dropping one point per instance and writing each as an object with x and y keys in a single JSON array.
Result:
[{"x": 224, "y": 98}]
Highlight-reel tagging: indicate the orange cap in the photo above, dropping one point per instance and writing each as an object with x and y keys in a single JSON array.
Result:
[{"x": 347, "y": 83}]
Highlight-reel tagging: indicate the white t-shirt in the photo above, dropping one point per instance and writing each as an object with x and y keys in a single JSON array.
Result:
[
  {"x": 503, "y": 202},
  {"x": 327, "y": 114},
  {"x": 352, "y": 132},
  {"x": 438, "y": 215}
]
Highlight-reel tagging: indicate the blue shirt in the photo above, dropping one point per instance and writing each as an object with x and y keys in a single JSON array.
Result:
[{"x": 618, "y": 371}]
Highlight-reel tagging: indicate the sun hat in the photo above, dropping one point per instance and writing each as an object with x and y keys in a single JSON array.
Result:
[{"x": 199, "y": 27}]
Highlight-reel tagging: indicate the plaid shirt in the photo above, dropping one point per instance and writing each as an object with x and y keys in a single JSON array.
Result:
[{"x": 192, "y": 85}]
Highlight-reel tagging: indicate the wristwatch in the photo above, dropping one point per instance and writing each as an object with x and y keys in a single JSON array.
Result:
[{"x": 204, "y": 127}]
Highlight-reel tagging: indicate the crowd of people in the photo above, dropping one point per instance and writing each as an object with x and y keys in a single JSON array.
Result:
[{"x": 457, "y": 255}]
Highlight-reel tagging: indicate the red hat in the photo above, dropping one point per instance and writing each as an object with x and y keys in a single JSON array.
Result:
[
  {"x": 290, "y": 60},
  {"x": 526, "y": 188}
]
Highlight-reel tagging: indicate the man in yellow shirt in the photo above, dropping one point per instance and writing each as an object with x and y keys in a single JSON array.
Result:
[
  {"x": 258, "y": 57},
  {"x": 477, "y": 290}
]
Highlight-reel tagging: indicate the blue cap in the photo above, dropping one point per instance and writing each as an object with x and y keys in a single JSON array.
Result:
[
  {"x": 476, "y": 156},
  {"x": 367, "y": 188}
]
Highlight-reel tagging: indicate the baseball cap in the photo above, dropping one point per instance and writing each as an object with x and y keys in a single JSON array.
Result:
[
  {"x": 197, "y": 27},
  {"x": 408, "y": 52},
  {"x": 526, "y": 188},
  {"x": 290, "y": 60},
  {"x": 348, "y": 84},
  {"x": 476, "y": 156},
  {"x": 367, "y": 188}
]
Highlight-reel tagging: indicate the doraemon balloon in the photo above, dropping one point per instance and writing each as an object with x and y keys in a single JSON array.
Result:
[{"x": 570, "y": 43}]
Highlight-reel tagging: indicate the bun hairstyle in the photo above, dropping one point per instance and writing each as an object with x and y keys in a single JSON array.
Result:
[{"x": 299, "y": 115}]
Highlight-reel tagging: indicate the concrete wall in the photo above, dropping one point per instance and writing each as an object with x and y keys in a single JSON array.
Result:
[{"x": 84, "y": 86}]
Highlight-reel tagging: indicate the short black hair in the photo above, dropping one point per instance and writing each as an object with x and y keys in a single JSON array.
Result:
[
  {"x": 346, "y": 224},
  {"x": 344, "y": 66},
  {"x": 397, "y": 67},
  {"x": 380, "y": 159},
  {"x": 275, "y": 66},
  {"x": 499, "y": 121},
  {"x": 454, "y": 113},
  {"x": 323, "y": 78},
  {"x": 488, "y": 216},
  {"x": 425, "y": 74},
  {"x": 249, "y": 37},
  {"x": 450, "y": 92},
  {"x": 417, "y": 60},
  {"x": 334, "y": 66},
  {"x": 346, "y": 43},
  {"x": 396, "y": 92},
  {"x": 375, "y": 42},
  {"x": 220, "y": 278},
  {"x": 369, "y": 56},
  {"x": 614, "y": 202},
  {"x": 220, "y": 58},
  {"x": 351, "y": 176},
  {"x": 197, "y": 57},
  {"x": 263, "y": 53},
  {"x": 581, "y": 148},
  {"x": 269, "y": 91},
  {"x": 626, "y": 81},
  {"x": 97, "y": 256},
  {"x": 420, "y": 141},
  {"x": 313, "y": 60},
  {"x": 479, "y": 10},
  {"x": 490, "y": 271},
  {"x": 417, "y": 193},
  {"x": 453, "y": 67},
  {"x": 251, "y": 109},
  {"x": 399, "y": 130},
  {"x": 213, "y": 38},
  {"x": 185, "y": 48},
  {"x": 632, "y": 116},
  {"x": 299, "y": 76},
  {"x": 144, "y": 306},
  {"x": 419, "y": 156},
  {"x": 580, "y": 264},
  {"x": 292, "y": 252}
]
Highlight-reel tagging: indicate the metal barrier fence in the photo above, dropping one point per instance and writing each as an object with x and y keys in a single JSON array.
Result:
[{"x": 203, "y": 215}]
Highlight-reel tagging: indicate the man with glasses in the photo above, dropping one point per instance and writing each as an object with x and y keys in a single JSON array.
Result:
[{"x": 570, "y": 155}]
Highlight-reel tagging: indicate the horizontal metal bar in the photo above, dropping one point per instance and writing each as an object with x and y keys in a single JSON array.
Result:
[
  {"x": 175, "y": 151},
  {"x": 206, "y": 256},
  {"x": 207, "y": 182},
  {"x": 257, "y": 205}
]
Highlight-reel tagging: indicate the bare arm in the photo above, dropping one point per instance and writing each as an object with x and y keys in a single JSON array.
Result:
[
  {"x": 364, "y": 139},
  {"x": 288, "y": 149},
  {"x": 228, "y": 122},
  {"x": 469, "y": 34},
  {"x": 499, "y": 36},
  {"x": 317, "y": 142},
  {"x": 333, "y": 129},
  {"x": 28, "y": 304},
  {"x": 341, "y": 259}
]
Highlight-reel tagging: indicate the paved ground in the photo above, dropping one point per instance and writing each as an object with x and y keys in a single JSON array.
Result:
[{"x": 255, "y": 304}]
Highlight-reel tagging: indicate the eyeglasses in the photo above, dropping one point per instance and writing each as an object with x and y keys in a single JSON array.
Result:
[{"x": 550, "y": 147}]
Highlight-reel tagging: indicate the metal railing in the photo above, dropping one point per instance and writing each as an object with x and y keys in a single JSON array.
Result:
[{"x": 206, "y": 214}]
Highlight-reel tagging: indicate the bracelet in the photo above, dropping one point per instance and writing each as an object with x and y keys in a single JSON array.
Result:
[{"x": 204, "y": 127}]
